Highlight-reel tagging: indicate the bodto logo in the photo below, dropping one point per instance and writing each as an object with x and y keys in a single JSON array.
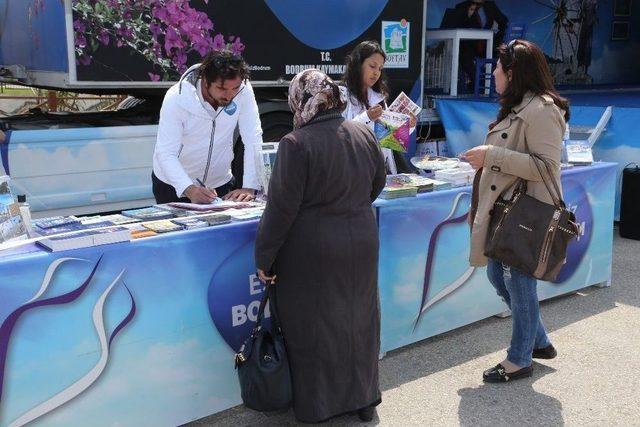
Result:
[
  {"x": 234, "y": 296},
  {"x": 395, "y": 43}
]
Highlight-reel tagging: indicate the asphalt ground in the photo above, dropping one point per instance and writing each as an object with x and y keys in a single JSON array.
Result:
[{"x": 594, "y": 381}]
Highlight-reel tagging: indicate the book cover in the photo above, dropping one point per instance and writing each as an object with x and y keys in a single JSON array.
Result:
[
  {"x": 165, "y": 226},
  {"x": 424, "y": 184},
  {"x": 190, "y": 223},
  {"x": 216, "y": 219},
  {"x": 395, "y": 192},
  {"x": 139, "y": 231},
  {"x": 579, "y": 153},
  {"x": 177, "y": 212},
  {"x": 148, "y": 214},
  {"x": 11, "y": 224},
  {"x": 56, "y": 221},
  {"x": 71, "y": 227},
  {"x": 392, "y": 131},
  {"x": 116, "y": 219}
]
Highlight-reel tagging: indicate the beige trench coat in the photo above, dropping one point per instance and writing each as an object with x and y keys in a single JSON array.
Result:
[{"x": 541, "y": 123}]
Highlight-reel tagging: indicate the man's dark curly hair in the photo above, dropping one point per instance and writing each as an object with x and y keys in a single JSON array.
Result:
[{"x": 223, "y": 64}]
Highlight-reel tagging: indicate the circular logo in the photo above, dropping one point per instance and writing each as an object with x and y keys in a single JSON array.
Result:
[
  {"x": 577, "y": 200},
  {"x": 231, "y": 108},
  {"x": 234, "y": 296}
]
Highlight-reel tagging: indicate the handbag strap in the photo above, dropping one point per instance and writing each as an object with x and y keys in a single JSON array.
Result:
[
  {"x": 269, "y": 295},
  {"x": 547, "y": 176},
  {"x": 555, "y": 197}
]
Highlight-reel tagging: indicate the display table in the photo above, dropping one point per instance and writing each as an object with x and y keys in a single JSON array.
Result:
[{"x": 142, "y": 333}]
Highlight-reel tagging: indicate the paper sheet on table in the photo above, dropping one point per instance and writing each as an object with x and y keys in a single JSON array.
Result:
[{"x": 217, "y": 204}]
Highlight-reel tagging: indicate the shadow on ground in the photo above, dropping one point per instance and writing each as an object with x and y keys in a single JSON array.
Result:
[{"x": 464, "y": 344}]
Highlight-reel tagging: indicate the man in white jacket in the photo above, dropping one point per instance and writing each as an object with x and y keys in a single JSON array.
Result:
[{"x": 194, "y": 148}]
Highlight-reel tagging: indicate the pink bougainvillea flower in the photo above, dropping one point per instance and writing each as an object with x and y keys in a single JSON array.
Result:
[
  {"x": 166, "y": 33},
  {"x": 81, "y": 41},
  {"x": 103, "y": 37},
  {"x": 78, "y": 26},
  {"x": 237, "y": 47},
  {"x": 218, "y": 42},
  {"x": 84, "y": 60}
]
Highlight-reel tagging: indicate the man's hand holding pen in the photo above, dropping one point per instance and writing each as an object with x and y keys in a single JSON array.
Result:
[{"x": 201, "y": 194}]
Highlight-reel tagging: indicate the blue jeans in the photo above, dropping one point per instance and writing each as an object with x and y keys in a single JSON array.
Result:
[{"x": 519, "y": 292}]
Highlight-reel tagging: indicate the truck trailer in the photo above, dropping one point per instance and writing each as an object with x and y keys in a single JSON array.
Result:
[{"x": 101, "y": 161}]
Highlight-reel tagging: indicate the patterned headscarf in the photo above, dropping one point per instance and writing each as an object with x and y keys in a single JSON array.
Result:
[{"x": 311, "y": 92}]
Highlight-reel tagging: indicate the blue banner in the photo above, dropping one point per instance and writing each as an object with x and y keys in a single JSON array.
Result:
[
  {"x": 139, "y": 333},
  {"x": 466, "y": 126},
  {"x": 426, "y": 284},
  {"x": 144, "y": 332}
]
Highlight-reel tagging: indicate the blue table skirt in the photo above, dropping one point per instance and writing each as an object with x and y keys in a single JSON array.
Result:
[{"x": 143, "y": 333}]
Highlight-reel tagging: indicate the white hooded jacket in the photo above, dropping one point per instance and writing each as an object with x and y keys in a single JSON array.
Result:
[{"x": 195, "y": 141}]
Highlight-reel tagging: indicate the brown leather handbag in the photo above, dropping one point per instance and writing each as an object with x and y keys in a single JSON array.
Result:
[{"x": 528, "y": 234}]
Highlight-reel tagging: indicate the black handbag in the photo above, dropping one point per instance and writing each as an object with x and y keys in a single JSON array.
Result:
[
  {"x": 528, "y": 234},
  {"x": 262, "y": 364}
]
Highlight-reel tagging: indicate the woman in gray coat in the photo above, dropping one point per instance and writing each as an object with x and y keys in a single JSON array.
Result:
[
  {"x": 318, "y": 234},
  {"x": 532, "y": 115}
]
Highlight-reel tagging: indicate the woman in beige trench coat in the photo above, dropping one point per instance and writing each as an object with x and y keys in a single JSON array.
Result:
[{"x": 530, "y": 110}]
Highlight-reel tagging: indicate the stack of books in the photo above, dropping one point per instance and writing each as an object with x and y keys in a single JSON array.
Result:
[
  {"x": 458, "y": 176},
  {"x": 424, "y": 184},
  {"x": 148, "y": 214},
  {"x": 71, "y": 227},
  {"x": 55, "y": 221},
  {"x": 116, "y": 219},
  {"x": 398, "y": 191},
  {"x": 177, "y": 212},
  {"x": 85, "y": 238},
  {"x": 165, "y": 226},
  {"x": 190, "y": 223},
  {"x": 216, "y": 219},
  {"x": 139, "y": 231},
  {"x": 247, "y": 214}
]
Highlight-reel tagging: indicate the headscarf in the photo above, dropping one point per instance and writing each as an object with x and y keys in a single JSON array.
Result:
[{"x": 311, "y": 92}]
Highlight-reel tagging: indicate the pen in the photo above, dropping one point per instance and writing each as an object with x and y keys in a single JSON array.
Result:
[{"x": 201, "y": 183}]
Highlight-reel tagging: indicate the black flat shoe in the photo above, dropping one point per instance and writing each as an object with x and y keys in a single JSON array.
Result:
[
  {"x": 498, "y": 374},
  {"x": 548, "y": 352},
  {"x": 366, "y": 414}
]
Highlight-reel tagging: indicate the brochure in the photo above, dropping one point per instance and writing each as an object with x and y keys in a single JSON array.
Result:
[
  {"x": 392, "y": 131},
  {"x": 11, "y": 224},
  {"x": 579, "y": 153},
  {"x": 403, "y": 104}
]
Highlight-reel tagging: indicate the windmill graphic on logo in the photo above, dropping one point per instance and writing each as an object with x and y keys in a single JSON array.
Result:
[{"x": 570, "y": 39}]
